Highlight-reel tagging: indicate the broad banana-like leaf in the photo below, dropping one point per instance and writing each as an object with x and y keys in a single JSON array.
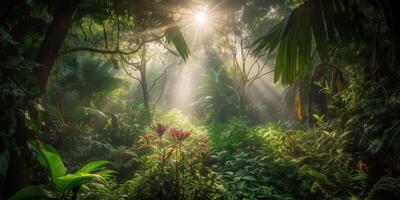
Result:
[
  {"x": 173, "y": 34},
  {"x": 30, "y": 192},
  {"x": 48, "y": 157},
  {"x": 70, "y": 181},
  {"x": 106, "y": 173},
  {"x": 92, "y": 166},
  {"x": 56, "y": 165}
]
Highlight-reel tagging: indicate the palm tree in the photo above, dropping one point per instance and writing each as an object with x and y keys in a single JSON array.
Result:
[
  {"x": 79, "y": 86},
  {"x": 305, "y": 40},
  {"x": 314, "y": 27},
  {"x": 84, "y": 78},
  {"x": 217, "y": 97}
]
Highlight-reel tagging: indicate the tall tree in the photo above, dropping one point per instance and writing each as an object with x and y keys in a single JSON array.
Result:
[
  {"x": 246, "y": 68},
  {"x": 139, "y": 71}
]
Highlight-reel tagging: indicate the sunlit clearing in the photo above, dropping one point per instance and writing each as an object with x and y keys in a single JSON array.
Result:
[{"x": 201, "y": 17}]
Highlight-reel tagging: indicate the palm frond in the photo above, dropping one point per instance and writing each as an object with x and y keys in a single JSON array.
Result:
[
  {"x": 313, "y": 25},
  {"x": 173, "y": 34},
  {"x": 384, "y": 184}
]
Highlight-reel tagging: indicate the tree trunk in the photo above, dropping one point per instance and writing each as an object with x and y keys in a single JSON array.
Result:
[
  {"x": 145, "y": 91},
  {"x": 242, "y": 103},
  {"x": 20, "y": 167},
  {"x": 146, "y": 97},
  {"x": 62, "y": 20},
  {"x": 19, "y": 172}
]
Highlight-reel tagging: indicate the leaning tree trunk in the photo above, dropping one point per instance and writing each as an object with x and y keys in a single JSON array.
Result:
[
  {"x": 53, "y": 40},
  {"x": 20, "y": 167}
]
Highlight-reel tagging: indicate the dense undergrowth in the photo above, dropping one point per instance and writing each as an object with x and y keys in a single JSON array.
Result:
[
  {"x": 236, "y": 161},
  {"x": 350, "y": 153}
]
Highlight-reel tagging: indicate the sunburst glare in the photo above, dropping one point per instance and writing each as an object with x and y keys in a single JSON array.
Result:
[{"x": 201, "y": 17}]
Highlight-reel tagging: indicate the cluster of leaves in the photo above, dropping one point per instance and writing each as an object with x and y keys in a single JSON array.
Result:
[
  {"x": 371, "y": 128},
  {"x": 62, "y": 185},
  {"x": 247, "y": 168},
  {"x": 174, "y": 167},
  {"x": 274, "y": 163},
  {"x": 314, "y": 23},
  {"x": 81, "y": 110},
  {"x": 216, "y": 96}
]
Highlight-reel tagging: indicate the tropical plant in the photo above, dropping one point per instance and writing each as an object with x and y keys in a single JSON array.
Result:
[
  {"x": 63, "y": 184},
  {"x": 216, "y": 97},
  {"x": 174, "y": 167},
  {"x": 83, "y": 80},
  {"x": 312, "y": 27}
]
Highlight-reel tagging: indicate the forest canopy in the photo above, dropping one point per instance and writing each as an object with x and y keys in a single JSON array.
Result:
[{"x": 199, "y": 99}]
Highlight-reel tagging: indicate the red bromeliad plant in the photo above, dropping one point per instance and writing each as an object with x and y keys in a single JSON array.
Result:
[
  {"x": 180, "y": 135},
  {"x": 159, "y": 129}
]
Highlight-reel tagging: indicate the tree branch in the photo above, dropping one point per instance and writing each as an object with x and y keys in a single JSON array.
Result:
[
  {"x": 158, "y": 78},
  {"x": 130, "y": 75},
  {"x": 169, "y": 49},
  {"x": 101, "y": 51}
]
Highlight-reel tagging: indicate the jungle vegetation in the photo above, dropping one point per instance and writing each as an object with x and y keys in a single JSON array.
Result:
[{"x": 199, "y": 99}]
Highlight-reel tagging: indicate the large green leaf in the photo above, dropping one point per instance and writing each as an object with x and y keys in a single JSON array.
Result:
[
  {"x": 56, "y": 165},
  {"x": 81, "y": 111},
  {"x": 30, "y": 192},
  {"x": 70, "y": 181},
  {"x": 173, "y": 34},
  {"x": 92, "y": 166},
  {"x": 48, "y": 157},
  {"x": 106, "y": 173},
  {"x": 38, "y": 153}
]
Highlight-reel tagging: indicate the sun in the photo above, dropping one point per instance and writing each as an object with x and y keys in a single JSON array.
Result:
[
  {"x": 199, "y": 21},
  {"x": 201, "y": 17}
]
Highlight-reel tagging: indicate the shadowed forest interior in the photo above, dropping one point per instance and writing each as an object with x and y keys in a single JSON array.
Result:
[{"x": 200, "y": 99}]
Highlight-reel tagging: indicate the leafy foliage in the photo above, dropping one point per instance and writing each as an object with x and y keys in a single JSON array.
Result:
[
  {"x": 62, "y": 182},
  {"x": 315, "y": 24},
  {"x": 216, "y": 97},
  {"x": 173, "y": 34}
]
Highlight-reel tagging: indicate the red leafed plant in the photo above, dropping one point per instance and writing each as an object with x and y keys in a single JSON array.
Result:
[
  {"x": 180, "y": 134},
  {"x": 159, "y": 128}
]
